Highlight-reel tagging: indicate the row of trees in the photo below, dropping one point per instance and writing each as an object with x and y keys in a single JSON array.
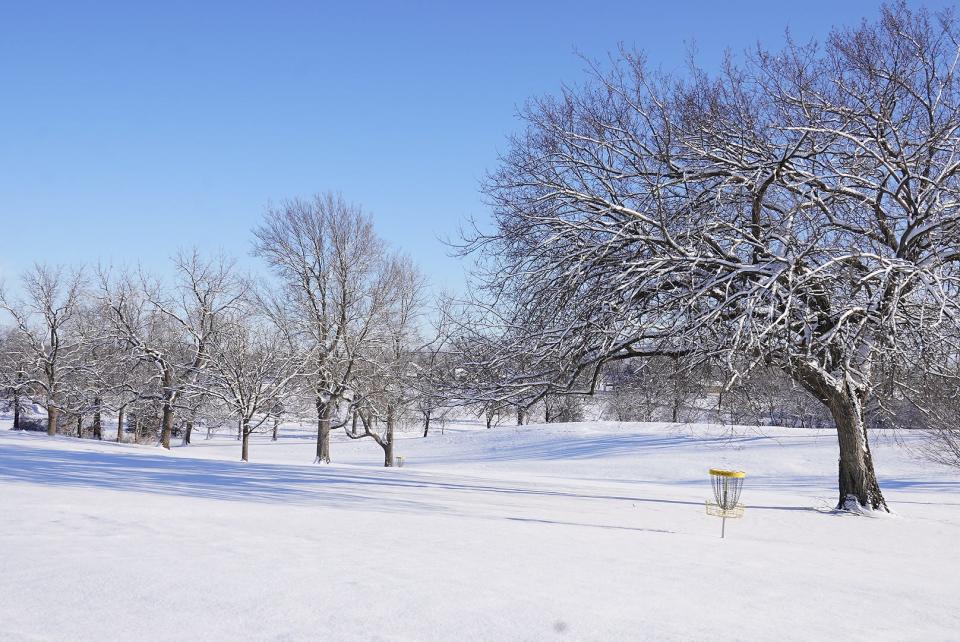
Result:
[{"x": 337, "y": 330}]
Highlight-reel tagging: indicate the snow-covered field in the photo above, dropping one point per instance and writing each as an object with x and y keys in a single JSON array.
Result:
[{"x": 581, "y": 532}]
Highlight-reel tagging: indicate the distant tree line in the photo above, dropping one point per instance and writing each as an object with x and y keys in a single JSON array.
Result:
[{"x": 336, "y": 332}]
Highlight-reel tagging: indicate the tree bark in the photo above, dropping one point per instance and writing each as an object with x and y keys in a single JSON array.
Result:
[
  {"x": 520, "y": 415},
  {"x": 80, "y": 426},
  {"x": 276, "y": 425},
  {"x": 53, "y": 414},
  {"x": 245, "y": 449},
  {"x": 187, "y": 433},
  {"x": 323, "y": 432},
  {"x": 120, "y": 414},
  {"x": 166, "y": 425},
  {"x": 388, "y": 442},
  {"x": 857, "y": 478},
  {"x": 16, "y": 411},
  {"x": 97, "y": 426},
  {"x": 426, "y": 422}
]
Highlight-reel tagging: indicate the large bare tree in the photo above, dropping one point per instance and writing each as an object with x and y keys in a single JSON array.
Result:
[
  {"x": 335, "y": 282},
  {"x": 797, "y": 211}
]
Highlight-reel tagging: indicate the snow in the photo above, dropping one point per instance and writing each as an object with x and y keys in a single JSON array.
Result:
[{"x": 590, "y": 531}]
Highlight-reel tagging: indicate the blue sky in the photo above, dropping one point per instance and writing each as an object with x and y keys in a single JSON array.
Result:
[{"x": 128, "y": 129}]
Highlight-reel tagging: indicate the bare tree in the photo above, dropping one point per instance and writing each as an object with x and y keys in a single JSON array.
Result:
[
  {"x": 14, "y": 374},
  {"x": 333, "y": 277},
  {"x": 385, "y": 383},
  {"x": 252, "y": 365},
  {"x": 797, "y": 211},
  {"x": 42, "y": 317},
  {"x": 171, "y": 329}
]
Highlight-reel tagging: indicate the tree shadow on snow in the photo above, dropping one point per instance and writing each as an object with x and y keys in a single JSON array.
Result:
[{"x": 333, "y": 486}]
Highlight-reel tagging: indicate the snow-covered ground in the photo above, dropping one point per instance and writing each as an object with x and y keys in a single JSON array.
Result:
[{"x": 581, "y": 532}]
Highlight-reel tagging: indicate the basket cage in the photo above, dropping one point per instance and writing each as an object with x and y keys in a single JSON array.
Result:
[{"x": 727, "y": 485}]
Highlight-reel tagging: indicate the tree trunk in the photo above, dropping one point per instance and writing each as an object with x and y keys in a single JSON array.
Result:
[
  {"x": 120, "y": 414},
  {"x": 239, "y": 429},
  {"x": 53, "y": 414},
  {"x": 323, "y": 432},
  {"x": 169, "y": 396},
  {"x": 166, "y": 425},
  {"x": 80, "y": 426},
  {"x": 16, "y": 411},
  {"x": 426, "y": 422},
  {"x": 857, "y": 478},
  {"x": 520, "y": 415},
  {"x": 276, "y": 425},
  {"x": 187, "y": 433},
  {"x": 97, "y": 426},
  {"x": 388, "y": 442},
  {"x": 245, "y": 449}
]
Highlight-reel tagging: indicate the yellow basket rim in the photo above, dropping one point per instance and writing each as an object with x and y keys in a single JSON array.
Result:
[{"x": 727, "y": 473}]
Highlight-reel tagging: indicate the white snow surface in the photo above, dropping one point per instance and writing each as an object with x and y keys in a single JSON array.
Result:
[{"x": 593, "y": 531}]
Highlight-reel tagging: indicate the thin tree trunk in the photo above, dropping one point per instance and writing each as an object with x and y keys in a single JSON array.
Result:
[
  {"x": 426, "y": 422},
  {"x": 239, "y": 429},
  {"x": 245, "y": 450},
  {"x": 276, "y": 425},
  {"x": 80, "y": 426},
  {"x": 388, "y": 442},
  {"x": 166, "y": 425},
  {"x": 520, "y": 415},
  {"x": 16, "y": 411},
  {"x": 120, "y": 414},
  {"x": 53, "y": 414},
  {"x": 323, "y": 432},
  {"x": 187, "y": 433},
  {"x": 97, "y": 426}
]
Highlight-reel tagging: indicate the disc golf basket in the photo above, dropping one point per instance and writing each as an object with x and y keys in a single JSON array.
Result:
[{"x": 727, "y": 485}]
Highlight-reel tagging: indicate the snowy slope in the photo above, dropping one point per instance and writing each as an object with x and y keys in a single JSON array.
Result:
[{"x": 580, "y": 532}]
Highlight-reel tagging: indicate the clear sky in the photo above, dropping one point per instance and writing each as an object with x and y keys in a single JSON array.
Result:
[{"x": 130, "y": 129}]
